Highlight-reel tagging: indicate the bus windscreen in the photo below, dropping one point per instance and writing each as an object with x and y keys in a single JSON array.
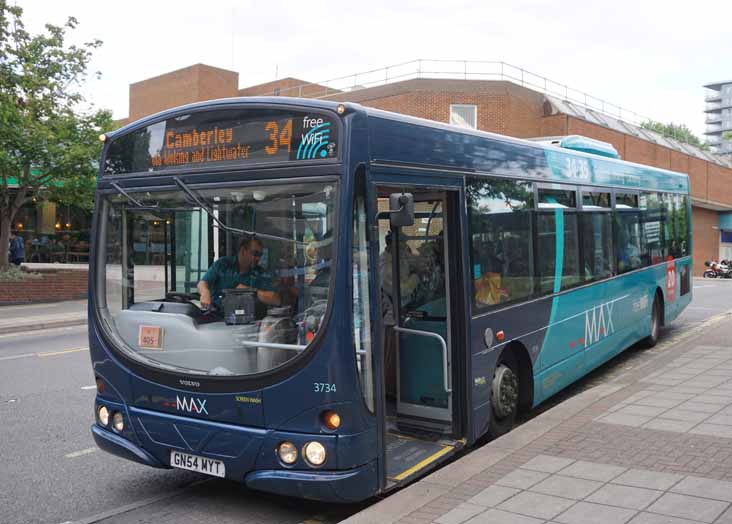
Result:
[
  {"x": 224, "y": 137},
  {"x": 181, "y": 291}
]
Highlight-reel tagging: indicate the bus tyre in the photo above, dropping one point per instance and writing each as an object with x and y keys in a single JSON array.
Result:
[
  {"x": 652, "y": 339},
  {"x": 504, "y": 395}
]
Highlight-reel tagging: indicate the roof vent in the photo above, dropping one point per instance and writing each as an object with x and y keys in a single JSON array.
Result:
[{"x": 587, "y": 145}]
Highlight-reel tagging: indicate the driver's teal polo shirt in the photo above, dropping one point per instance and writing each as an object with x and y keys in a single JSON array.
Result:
[{"x": 224, "y": 274}]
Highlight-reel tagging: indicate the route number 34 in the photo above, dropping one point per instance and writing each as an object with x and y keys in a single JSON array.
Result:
[{"x": 324, "y": 387}]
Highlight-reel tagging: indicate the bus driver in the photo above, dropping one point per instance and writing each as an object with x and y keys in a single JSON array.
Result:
[{"x": 240, "y": 271}]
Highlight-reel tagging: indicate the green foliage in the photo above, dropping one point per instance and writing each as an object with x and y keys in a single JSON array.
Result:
[
  {"x": 677, "y": 131},
  {"x": 727, "y": 135},
  {"x": 15, "y": 274},
  {"x": 48, "y": 144}
]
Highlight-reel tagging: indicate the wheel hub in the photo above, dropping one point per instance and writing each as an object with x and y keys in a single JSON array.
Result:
[{"x": 505, "y": 391}]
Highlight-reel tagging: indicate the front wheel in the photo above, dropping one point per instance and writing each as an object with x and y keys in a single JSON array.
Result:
[
  {"x": 709, "y": 274},
  {"x": 652, "y": 339},
  {"x": 505, "y": 389}
]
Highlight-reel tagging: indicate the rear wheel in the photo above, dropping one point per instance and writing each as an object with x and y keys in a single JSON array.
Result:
[
  {"x": 505, "y": 389},
  {"x": 652, "y": 339}
]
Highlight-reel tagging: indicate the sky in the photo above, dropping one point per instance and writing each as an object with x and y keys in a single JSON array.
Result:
[{"x": 650, "y": 57}]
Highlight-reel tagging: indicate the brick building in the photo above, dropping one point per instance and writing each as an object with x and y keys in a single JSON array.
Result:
[{"x": 501, "y": 106}]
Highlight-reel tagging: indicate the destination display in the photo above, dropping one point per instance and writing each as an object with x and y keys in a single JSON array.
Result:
[{"x": 221, "y": 137}]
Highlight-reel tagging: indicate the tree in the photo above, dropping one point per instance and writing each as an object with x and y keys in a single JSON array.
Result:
[
  {"x": 47, "y": 143},
  {"x": 676, "y": 131}
]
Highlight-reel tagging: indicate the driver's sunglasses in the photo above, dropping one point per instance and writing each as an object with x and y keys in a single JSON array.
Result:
[{"x": 257, "y": 254}]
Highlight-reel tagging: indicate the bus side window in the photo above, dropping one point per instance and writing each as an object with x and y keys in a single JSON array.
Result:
[
  {"x": 557, "y": 246},
  {"x": 597, "y": 232},
  {"x": 629, "y": 245},
  {"x": 652, "y": 218},
  {"x": 501, "y": 246}
]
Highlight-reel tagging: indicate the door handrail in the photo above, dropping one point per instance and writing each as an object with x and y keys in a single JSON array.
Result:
[
  {"x": 445, "y": 377},
  {"x": 271, "y": 345}
]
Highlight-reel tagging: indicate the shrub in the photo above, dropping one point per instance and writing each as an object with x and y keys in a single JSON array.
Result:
[{"x": 15, "y": 274}]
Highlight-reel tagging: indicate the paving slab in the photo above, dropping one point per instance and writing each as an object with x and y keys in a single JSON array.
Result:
[
  {"x": 713, "y": 430},
  {"x": 536, "y": 505},
  {"x": 703, "y": 487},
  {"x": 664, "y": 424},
  {"x": 624, "y": 419},
  {"x": 495, "y": 516},
  {"x": 522, "y": 479},
  {"x": 624, "y": 496},
  {"x": 725, "y": 518},
  {"x": 648, "y": 479},
  {"x": 686, "y": 507},
  {"x": 567, "y": 487},
  {"x": 547, "y": 464},
  {"x": 653, "y": 518},
  {"x": 493, "y": 495},
  {"x": 460, "y": 514},
  {"x": 593, "y": 471},
  {"x": 590, "y": 513}
]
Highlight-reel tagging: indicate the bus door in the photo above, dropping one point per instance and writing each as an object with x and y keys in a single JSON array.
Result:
[{"x": 419, "y": 287}]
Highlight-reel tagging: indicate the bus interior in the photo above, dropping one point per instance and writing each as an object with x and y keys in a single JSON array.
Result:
[{"x": 418, "y": 277}]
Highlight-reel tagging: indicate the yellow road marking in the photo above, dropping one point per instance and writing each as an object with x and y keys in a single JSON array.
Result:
[
  {"x": 64, "y": 352},
  {"x": 80, "y": 453},
  {"x": 425, "y": 462}
]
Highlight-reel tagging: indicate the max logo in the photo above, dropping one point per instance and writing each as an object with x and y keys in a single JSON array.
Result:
[
  {"x": 598, "y": 323},
  {"x": 191, "y": 405}
]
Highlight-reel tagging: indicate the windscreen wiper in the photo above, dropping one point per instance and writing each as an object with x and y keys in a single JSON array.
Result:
[
  {"x": 210, "y": 212},
  {"x": 127, "y": 195}
]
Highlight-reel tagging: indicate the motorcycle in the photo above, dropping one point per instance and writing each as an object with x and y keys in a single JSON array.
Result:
[{"x": 717, "y": 269}]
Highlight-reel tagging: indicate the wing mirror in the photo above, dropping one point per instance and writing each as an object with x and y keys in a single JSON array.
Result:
[{"x": 401, "y": 209}]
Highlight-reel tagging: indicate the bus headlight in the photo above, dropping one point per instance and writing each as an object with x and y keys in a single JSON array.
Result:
[
  {"x": 103, "y": 414},
  {"x": 118, "y": 421},
  {"x": 314, "y": 453},
  {"x": 287, "y": 453}
]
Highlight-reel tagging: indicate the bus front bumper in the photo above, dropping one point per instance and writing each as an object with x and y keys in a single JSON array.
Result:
[
  {"x": 351, "y": 485},
  {"x": 120, "y": 446}
]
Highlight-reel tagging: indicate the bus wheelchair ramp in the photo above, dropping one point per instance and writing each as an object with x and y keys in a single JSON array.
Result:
[{"x": 406, "y": 456}]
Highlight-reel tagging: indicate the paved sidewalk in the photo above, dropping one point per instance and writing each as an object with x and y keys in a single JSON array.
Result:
[
  {"x": 34, "y": 317},
  {"x": 652, "y": 445}
]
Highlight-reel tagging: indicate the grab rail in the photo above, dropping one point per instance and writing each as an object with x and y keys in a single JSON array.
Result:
[
  {"x": 271, "y": 345},
  {"x": 445, "y": 377}
]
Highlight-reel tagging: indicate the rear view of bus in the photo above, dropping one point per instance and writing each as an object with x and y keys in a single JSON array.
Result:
[{"x": 212, "y": 283}]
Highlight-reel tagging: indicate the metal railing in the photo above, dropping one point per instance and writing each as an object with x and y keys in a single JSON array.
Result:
[{"x": 466, "y": 70}]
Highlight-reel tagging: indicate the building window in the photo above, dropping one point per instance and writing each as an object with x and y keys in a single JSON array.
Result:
[
  {"x": 276, "y": 91},
  {"x": 464, "y": 115}
]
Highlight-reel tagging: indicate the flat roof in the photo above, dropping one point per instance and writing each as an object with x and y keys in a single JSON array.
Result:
[{"x": 717, "y": 85}]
